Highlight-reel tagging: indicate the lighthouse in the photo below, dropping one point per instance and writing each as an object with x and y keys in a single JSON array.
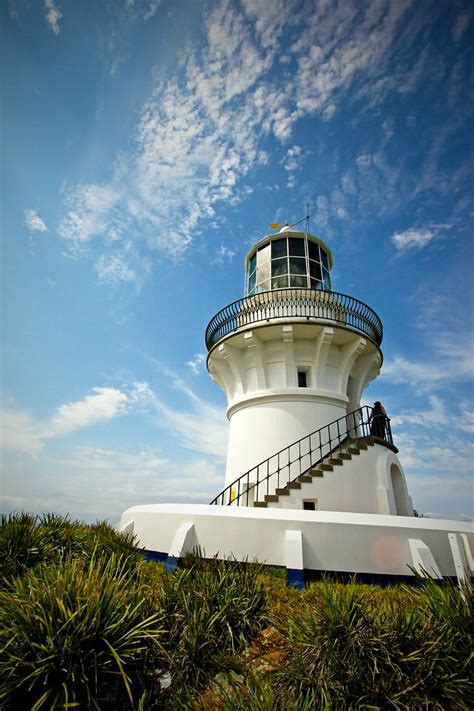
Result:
[
  {"x": 293, "y": 357},
  {"x": 312, "y": 482}
]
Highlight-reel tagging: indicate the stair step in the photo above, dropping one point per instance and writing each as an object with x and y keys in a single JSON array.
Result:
[
  {"x": 362, "y": 445},
  {"x": 316, "y": 472},
  {"x": 271, "y": 497},
  {"x": 293, "y": 485},
  {"x": 326, "y": 467},
  {"x": 260, "y": 504},
  {"x": 282, "y": 492},
  {"x": 305, "y": 478},
  {"x": 335, "y": 460},
  {"x": 345, "y": 455},
  {"x": 353, "y": 450}
]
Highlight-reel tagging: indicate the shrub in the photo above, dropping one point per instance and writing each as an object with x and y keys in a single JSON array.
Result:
[
  {"x": 209, "y": 610},
  {"x": 354, "y": 647},
  {"x": 77, "y": 633},
  {"x": 26, "y": 540},
  {"x": 21, "y": 544}
]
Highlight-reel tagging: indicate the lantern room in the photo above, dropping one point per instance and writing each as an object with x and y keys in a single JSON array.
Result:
[{"x": 288, "y": 259}]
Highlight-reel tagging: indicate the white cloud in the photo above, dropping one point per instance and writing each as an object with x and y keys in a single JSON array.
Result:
[
  {"x": 19, "y": 433},
  {"x": 102, "y": 483},
  {"x": 416, "y": 373},
  {"x": 53, "y": 15},
  {"x": 112, "y": 269},
  {"x": 153, "y": 6},
  {"x": 462, "y": 23},
  {"x": 200, "y": 427},
  {"x": 203, "y": 428},
  {"x": 271, "y": 19},
  {"x": 200, "y": 133},
  {"x": 103, "y": 405},
  {"x": 412, "y": 239},
  {"x": 340, "y": 43},
  {"x": 90, "y": 214},
  {"x": 196, "y": 363},
  {"x": 133, "y": 464},
  {"x": 124, "y": 265},
  {"x": 34, "y": 222},
  {"x": 436, "y": 416},
  {"x": 224, "y": 255},
  {"x": 22, "y": 433}
]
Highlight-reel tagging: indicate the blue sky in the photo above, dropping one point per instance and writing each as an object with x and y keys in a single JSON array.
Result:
[{"x": 147, "y": 145}]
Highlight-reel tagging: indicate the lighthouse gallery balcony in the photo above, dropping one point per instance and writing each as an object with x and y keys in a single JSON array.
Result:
[{"x": 302, "y": 304}]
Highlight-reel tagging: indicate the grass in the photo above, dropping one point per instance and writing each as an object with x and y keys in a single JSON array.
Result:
[{"x": 86, "y": 623}]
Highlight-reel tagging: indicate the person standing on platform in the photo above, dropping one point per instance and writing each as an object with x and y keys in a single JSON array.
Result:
[{"x": 378, "y": 419}]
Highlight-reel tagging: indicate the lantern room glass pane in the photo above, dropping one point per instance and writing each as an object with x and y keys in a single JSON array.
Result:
[
  {"x": 252, "y": 263},
  {"x": 327, "y": 280},
  {"x": 279, "y": 248},
  {"x": 263, "y": 255},
  {"x": 296, "y": 247},
  {"x": 280, "y": 282},
  {"x": 324, "y": 259},
  {"x": 313, "y": 251},
  {"x": 279, "y": 266},
  {"x": 297, "y": 265},
  {"x": 315, "y": 270},
  {"x": 264, "y": 286},
  {"x": 252, "y": 282},
  {"x": 263, "y": 272},
  {"x": 299, "y": 281}
]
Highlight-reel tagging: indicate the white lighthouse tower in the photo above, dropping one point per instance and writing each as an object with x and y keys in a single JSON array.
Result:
[
  {"x": 293, "y": 358},
  {"x": 313, "y": 482}
]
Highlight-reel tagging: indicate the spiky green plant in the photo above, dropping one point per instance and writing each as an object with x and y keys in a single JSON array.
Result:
[
  {"x": 209, "y": 610},
  {"x": 78, "y": 633},
  {"x": 26, "y": 540},
  {"x": 359, "y": 647}
]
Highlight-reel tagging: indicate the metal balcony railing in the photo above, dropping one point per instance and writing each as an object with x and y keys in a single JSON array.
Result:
[
  {"x": 326, "y": 306},
  {"x": 306, "y": 453}
]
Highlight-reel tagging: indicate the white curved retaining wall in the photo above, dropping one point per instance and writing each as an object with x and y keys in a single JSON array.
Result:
[{"x": 331, "y": 541}]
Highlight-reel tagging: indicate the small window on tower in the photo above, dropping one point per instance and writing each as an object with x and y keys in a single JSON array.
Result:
[
  {"x": 302, "y": 379},
  {"x": 310, "y": 505}
]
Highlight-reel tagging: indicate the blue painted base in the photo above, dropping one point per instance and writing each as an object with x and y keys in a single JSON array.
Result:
[
  {"x": 171, "y": 563},
  {"x": 155, "y": 556},
  {"x": 295, "y": 578}
]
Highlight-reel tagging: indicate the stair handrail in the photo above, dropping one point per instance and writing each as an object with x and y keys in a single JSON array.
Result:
[{"x": 361, "y": 426}]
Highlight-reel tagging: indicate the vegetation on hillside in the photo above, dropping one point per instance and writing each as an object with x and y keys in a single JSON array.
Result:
[{"x": 85, "y": 623}]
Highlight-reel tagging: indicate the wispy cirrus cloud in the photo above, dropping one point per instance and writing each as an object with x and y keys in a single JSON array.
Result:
[
  {"x": 197, "y": 363},
  {"x": 202, "y": 130},
  {"x": 463, "y": 20}
]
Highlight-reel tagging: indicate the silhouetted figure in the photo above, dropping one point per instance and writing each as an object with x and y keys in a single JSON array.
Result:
[{"x": 378, "y": 419}]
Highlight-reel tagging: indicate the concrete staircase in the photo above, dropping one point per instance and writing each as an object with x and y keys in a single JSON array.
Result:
[{"x": 347, "y": 450}]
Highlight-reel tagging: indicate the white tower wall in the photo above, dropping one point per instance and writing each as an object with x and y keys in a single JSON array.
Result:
[{"x": 258, "y": 370}]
